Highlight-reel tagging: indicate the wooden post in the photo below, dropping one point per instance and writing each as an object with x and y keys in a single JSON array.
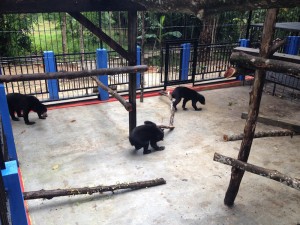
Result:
[
  {"x": 254, "y": 104},
  {"x": 132, "y": 34}
]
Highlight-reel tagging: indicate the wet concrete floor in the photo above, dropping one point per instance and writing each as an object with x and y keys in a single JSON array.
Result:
[{"x": 88, "y": 146}]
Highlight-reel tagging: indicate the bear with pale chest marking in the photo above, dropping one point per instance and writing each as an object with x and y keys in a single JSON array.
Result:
[
  {"x": 142, "y": 135},
  {"x": 23, "y": 104},
  {"x": 187, "y": 94}
]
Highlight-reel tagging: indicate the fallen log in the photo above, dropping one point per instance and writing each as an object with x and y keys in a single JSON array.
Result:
[
  {"x": 275, "y": 123},
  {"x": 271, "y": 174},
  {"x": 260, "y": 134},
  {"x": 244, "y": 60},
  {"x": 49, "y": 194},
  {"x": 167, "y": 94},
  {"x": 74, "y": 74},
  {"x": 113, "y": 93}
]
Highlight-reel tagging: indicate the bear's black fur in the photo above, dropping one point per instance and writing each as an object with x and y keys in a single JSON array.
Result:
[
  {"x": 187, "y": 94},
  {"x": 142, "y": 135},
  {"x": 25, "y": 103}
]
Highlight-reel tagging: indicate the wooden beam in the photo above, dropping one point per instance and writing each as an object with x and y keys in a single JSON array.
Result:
[
  {"x": 74, "y": 74},
  {"x": 271, "y": 174},
  {"x": 49, "y": 6},
  {"x": 276, "y": 123},
  {"x": 254, "y": 104},
  {"x": 244, "y": 60},
  {"x": 100, "y": 34}
]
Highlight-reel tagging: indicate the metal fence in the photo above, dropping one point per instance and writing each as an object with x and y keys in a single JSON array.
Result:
[{"x": 211, "y": 63}]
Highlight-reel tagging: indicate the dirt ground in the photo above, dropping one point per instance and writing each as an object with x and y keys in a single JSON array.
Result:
[{"x": 88, "y": 146}]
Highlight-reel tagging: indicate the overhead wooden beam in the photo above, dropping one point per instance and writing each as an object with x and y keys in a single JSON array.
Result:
[
  {"x": 199, "y": 8},
  {"x": 100, "y": 34},
  {"x": 48, "y": 6},
  {"x": 74, "y": 74}
]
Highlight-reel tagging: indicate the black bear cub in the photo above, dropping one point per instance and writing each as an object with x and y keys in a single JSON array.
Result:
[
  {"x": 142, "y": 135},
  {"x": 187, "y": 94},
  {"x": 23, "y": 104}
]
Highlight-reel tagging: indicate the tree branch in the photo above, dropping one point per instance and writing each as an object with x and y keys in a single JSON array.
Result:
[
  {"x": 261, "y": 134},
  {"x": 272, "y": 174},
  {"x": 49, "y": 194}
]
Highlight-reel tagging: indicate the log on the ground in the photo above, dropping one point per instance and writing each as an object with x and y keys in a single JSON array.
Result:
[
  {"x": 167, "y": 94},
  {"x": 260, "y": 134},
  {"x": 126, "y": 104},
  {"x": 275, "y": 123},
  {"x": 73, "y": 74},
  {"x": 272, "y": 174},
  {"x": 49, "y": 194},
  {"x": 244, "y": 60}
]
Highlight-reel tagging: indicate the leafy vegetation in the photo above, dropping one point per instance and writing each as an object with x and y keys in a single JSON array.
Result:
[{"x": 25, "y": 34}]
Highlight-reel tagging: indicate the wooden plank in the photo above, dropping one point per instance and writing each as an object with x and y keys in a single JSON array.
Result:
[
  {"x": 276, "y": 55},
  {"x": 275, "y": 123}
]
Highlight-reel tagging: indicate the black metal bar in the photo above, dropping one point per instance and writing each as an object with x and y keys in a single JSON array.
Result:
[
  {"x": 166, "y": 65},
  {"x": 194, "y": 64},
  {"x": 132, "y": 34}
]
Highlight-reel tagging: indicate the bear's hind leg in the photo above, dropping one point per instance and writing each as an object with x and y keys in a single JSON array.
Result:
[
  {"x": 12, "y": 115},
  {"x": 25, "y": 116},
  {"x": 184, "y": 103},
  {"x": 146, "y": 151}
]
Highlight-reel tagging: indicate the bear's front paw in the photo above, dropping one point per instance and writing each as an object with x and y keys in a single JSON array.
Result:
[
  {"x": 147, "y": 151},
  {"x": 15, "y": 119},
  {"x": 199, "y": 109},
  {"x": 161, "y": 148},
  {"x": 30, "y": 123},
  {"x": 185, "y": 109}
]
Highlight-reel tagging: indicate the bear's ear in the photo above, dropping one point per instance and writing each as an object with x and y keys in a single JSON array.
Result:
[{"x": 149, "y": 123}]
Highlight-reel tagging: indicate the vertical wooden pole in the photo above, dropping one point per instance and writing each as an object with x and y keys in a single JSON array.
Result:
[
  {"x": 132, "y": 34},
  {"x": 255, "y": 98}
]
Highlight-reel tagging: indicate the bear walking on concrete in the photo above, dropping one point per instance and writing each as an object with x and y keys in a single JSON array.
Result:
[
  {"x": 142, "y": 135},
  {"x": 23, "y": 104},
  {"x": 187, "y": 94}
]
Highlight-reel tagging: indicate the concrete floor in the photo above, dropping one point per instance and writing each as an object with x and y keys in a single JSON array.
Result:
[{"x": 88, "y": 146}]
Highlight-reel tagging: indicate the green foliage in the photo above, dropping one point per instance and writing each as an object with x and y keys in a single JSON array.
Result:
[{"x": 14, "y": 41}]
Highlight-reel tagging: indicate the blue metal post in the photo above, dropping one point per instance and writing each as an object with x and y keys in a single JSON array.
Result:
[
  {"x": 243, "y": 43},
  {"x": 186, "y": 51},
  {"x": 101, "y": 61},
  {"x": 49, "y": 61},
  {"x": 12, "y": 153},
  {"x": 138, "y": 62},
  {"x": 292, "y": 45},
  {"x": 15, "y": 196}
]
